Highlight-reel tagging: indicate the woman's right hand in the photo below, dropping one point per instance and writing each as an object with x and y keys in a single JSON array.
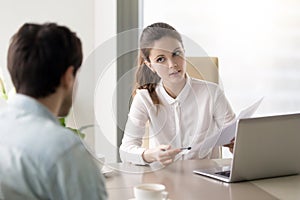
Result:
[
  {"x": 230, "y": 145},
  {"x": 163, "y": 154}
]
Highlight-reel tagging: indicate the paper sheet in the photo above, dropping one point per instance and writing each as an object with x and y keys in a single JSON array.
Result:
[{"x": 228, "y": 132}]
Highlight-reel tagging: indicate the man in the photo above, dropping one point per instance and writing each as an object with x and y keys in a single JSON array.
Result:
[{"x": 39, "y": 159}]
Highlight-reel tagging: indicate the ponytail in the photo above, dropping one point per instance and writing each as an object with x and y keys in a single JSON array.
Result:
[{"x": 147, "y": 79}]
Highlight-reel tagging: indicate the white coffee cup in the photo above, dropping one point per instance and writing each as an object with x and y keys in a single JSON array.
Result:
[{"x": 150, "y": 191}]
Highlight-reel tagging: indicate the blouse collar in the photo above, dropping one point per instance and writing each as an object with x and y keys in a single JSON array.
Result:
[{"x": 182, "y": 95}]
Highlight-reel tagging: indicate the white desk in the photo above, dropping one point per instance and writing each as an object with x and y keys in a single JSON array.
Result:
[{"x": 183, "y": 184}]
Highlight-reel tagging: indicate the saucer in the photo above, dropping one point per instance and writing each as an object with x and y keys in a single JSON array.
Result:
[{"x": 107, "y": 172}]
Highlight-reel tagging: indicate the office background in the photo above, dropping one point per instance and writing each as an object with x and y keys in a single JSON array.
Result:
[{"x": 257, "y": 43}]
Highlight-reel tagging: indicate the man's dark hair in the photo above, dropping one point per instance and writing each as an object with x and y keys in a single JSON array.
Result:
[{"x": 39, "y": 55}]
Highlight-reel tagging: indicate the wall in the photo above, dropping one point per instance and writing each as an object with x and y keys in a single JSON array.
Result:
[
  {"x": 76, "y": 14},
  {"x": 104, "y": 96}
]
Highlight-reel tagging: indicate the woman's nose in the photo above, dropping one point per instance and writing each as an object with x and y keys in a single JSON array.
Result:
[{"x": 172, "y": 64}]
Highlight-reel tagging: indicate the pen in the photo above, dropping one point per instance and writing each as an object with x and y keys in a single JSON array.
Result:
[
  {"x": 182, "y": 148},
  {"x": 185, "y": 148}
]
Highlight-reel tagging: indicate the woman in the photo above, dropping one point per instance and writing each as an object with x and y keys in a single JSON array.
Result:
[{"x": 181, "y": 111}]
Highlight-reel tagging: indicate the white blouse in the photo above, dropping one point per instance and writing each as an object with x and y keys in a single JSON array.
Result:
[{"x": 194, "y": 119}]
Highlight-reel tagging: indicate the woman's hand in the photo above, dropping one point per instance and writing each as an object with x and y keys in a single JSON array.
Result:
[
  {"x": 230, "y": 145},
  {"x": 163, "y": 154}
]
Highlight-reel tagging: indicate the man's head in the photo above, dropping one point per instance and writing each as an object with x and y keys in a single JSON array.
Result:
[{"x": 39, "y": 56}]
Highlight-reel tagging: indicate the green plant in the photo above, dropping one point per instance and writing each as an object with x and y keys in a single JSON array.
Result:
[
  {"x": 2, "y": 90},
  {"x": 62, "y": 121}
]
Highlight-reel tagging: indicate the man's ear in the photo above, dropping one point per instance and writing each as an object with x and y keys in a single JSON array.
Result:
[
  {"x": 148, "y": 64},
  {"x": 68, "y": 78}
]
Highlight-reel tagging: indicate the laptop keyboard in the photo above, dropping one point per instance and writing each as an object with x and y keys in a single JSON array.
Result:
[{"x": 224, "y": 173}]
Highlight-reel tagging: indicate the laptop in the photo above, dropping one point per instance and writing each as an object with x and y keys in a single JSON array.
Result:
[{"x": 265, "y": 147}]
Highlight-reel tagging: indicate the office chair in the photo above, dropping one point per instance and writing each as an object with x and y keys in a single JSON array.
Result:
[{"x": 204, "y": 68}]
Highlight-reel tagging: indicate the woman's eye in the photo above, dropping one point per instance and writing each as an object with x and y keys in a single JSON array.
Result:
[
  {"x": 177, "y": 53},
  {"x": 160, "y": 60}
]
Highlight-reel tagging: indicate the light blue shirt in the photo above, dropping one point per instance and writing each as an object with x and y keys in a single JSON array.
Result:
[{"x": 40, "y": 159}]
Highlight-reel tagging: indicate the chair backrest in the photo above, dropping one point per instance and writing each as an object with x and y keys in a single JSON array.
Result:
[{"x": 205, "y": 68}]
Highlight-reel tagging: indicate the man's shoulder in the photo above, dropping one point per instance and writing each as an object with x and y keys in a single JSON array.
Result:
[
  {"x": 58, "y": 140},
  {"x": 43, "y": 138}
]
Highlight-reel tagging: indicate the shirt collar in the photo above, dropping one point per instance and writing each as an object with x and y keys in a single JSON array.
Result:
[
  {"x": 182, "y": 95},
  {"x": 31, "y": 105}
]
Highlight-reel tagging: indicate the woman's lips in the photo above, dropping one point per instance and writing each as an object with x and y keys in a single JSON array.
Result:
[{"x": 175, "y": 73}]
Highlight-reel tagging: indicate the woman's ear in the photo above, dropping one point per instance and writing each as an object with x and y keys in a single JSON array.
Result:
[{"x": 148, "y": 64}]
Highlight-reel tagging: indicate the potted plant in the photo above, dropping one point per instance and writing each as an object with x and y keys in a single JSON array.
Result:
[
  {"x": 2, "y": 90},
  {"x": 62, "y": 121}
]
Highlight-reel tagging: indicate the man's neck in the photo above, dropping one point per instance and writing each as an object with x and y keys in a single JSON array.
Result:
[{"x": 52, "y": 102}]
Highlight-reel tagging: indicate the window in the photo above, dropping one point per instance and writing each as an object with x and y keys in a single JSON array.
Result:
[{"x": 257, "y": 43}]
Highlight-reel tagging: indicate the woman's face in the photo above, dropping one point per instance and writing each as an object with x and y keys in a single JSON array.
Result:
[{"x": 167, "y": 60}]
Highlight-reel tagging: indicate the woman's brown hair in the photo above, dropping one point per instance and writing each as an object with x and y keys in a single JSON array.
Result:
[{"x": 146, "y": 78}]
